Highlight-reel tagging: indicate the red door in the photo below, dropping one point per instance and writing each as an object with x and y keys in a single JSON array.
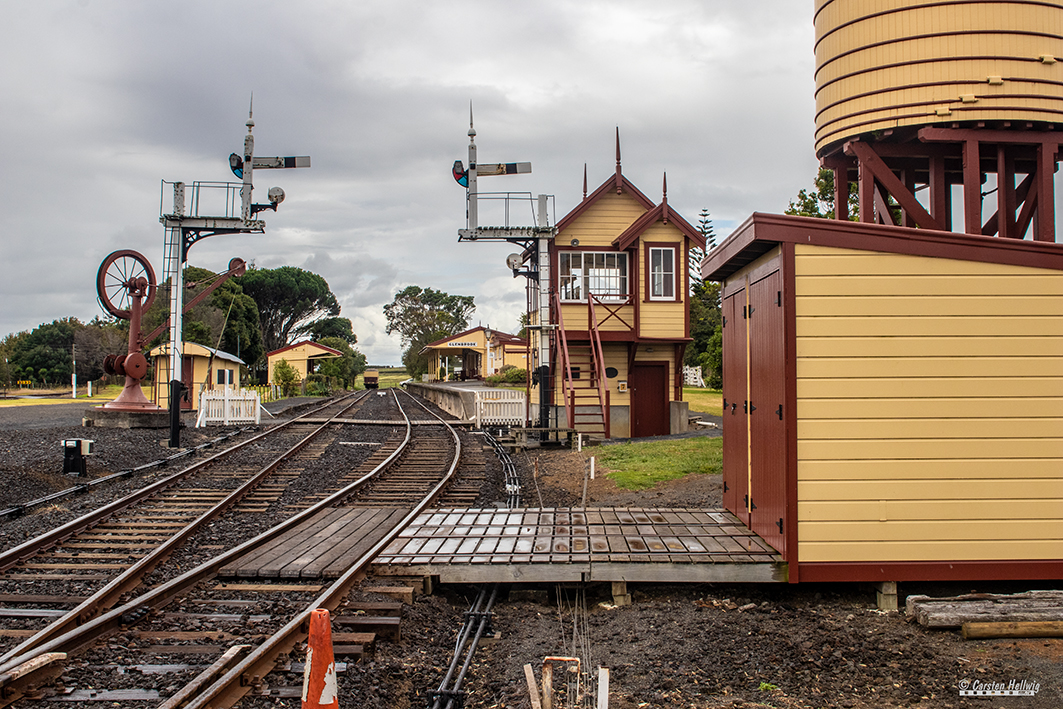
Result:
[
  {"x": 649, "y": 400},
  {"x": 186, "y": 379},
  {"x": 735, "y": 449},
  {"x": 767, "y": 428}
]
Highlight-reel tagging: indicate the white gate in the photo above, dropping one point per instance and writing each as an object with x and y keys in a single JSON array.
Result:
[
  {"x": 228, "y": 406},
  {"x": 499, "y": 407},
  {"x": 692, "y": 377}
]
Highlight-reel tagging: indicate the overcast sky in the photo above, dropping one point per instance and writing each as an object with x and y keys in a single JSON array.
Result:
[{"x": 102, "y": 101}]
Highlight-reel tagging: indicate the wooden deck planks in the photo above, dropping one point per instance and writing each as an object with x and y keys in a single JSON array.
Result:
[
  {"x": 672, "y": 543},
  {"x": 323, "y": 546},
  {"x": 525, "y": 544}
]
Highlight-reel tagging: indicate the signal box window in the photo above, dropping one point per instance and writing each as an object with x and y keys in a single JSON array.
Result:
[
  {"x": 604, "y": 274},
  {"x": 662, "y": 274}
]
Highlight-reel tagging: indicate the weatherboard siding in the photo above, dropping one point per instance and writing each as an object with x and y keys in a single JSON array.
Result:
[
  {"x": 602, "y": 222},
  {"x": 930, "y": 408}
]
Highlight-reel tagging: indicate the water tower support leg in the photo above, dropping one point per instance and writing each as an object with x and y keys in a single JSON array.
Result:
[{"x": 1045, "y": 216}]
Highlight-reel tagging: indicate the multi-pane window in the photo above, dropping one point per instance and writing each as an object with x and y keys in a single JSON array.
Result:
[
  {"x": 603, "y": 274},
  {"x": 225, "y": 376},
  {"x": 662, "y": 273}
]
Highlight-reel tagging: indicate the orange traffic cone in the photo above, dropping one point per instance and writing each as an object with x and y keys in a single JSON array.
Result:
[{"x": 319, "y": 676}]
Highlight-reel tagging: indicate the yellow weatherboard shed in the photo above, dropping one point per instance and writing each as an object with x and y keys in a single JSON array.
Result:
[{"x": 893, "y": 399}]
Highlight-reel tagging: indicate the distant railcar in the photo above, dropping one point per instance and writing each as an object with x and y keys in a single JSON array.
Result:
[{"x": 372, "y": 379}]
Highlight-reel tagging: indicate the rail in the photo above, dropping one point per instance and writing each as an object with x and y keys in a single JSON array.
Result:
[
  {"x": 230, "y": 688},
  {"x": 75, "y": 620},
  {"x": 226, "y": 692}
]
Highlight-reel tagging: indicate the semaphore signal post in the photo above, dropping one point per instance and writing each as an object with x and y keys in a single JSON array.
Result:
[{"x": 185, "y": 225}]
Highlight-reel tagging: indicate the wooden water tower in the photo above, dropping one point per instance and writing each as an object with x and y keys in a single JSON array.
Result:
[{"x": 914, "y": 95}]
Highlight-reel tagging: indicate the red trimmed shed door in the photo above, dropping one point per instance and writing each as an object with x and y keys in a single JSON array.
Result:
[
  {"x": 735, "y": 449},
  {"x": 766, "y": 426}
]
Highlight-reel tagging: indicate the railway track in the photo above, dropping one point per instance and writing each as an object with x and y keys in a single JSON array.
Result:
[{"x": 220, "y": 590}]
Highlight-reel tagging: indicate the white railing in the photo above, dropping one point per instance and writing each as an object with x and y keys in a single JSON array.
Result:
[
  {"x": 499, "y": 407},
  {"x": 228, "y": 406}
]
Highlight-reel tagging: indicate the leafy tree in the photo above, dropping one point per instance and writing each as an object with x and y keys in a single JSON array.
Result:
[
  {"x": 705, "y": 315},
  {"x": 228, "y": 313},
  {"x": 423, "y": 315},
  {"x": 697, "y": 254},
  {"x": 285, "y": 376},
  {"x": 330, "y": 327},
  {"x": 819, "y": 203},
  {"x": 288, "y": 299},
  {"x": 346, "y": 368},
  {"x": 705, "y": 330},
  {"x": 96, "y": 340},
  {"x": 47, "y": 349}
]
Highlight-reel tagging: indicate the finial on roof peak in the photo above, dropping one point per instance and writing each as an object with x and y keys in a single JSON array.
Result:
[
  {"x": 619, "y": 176},
  {"x": 664, "y": 199},
  {"x": 584, "y": 180}
]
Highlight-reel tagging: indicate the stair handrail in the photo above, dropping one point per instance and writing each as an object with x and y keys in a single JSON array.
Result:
[
  {"x": 568, "y": 389},
  {"x": 598, "y": 361}
]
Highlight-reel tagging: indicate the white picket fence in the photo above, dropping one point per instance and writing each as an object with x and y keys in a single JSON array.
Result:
[
  {"x": 229, "y": 406},
  {"x": 499, "y": 407}
]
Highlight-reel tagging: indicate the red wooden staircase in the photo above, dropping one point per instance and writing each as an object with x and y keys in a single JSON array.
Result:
[{"x": 583, "y": 384}]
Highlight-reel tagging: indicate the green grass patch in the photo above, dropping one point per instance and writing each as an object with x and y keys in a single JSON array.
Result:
[
  {"x": 707, "y": 401},
  {"x": 641, "y": 465},
  {"x": 60, "y": 396}
]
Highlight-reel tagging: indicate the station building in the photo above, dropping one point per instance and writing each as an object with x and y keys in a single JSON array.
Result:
[{"x": 477, "y": 353}]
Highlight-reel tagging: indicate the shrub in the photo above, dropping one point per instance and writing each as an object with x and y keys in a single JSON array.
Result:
[
  {"x": 285, "y": 376},
  {"x": 508, "y": 375}
]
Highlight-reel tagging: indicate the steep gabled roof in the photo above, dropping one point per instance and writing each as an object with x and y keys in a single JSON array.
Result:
[
  {"x": 660, "y": 213},
  {"x": 607, "y": 186},
  {"x": 617, "y": 182}
]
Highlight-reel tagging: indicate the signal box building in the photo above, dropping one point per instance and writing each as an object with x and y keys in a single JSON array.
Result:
[{"x": 620, "y": 313}]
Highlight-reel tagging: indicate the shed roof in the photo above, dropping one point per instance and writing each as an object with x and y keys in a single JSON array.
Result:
[
  {"x": 325, "y": 351},
  {"x": 762, "y": 232},
  {"x": 195, "y": 349}
]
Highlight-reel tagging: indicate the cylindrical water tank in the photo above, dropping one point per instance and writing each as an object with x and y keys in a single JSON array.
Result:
[{"x": 884, "y": 64}]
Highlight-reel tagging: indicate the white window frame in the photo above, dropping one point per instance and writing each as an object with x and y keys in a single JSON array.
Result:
[
  {"x": 603, "y": 273},
  {"x": 662, "y": 275}
]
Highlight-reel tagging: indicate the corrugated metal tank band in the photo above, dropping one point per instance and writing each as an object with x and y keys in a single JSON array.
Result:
[{"x": 887, "y": 64}]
